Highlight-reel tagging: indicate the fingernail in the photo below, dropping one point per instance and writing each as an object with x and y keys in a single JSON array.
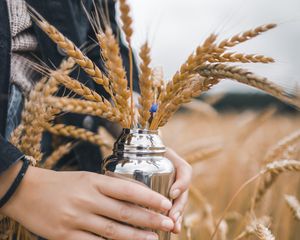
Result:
[
  {"x": 176, "y": 216},
  {"x": 166, "y": 204},
  {"x": 175, "y": 194},
  {"x": 152, "y": 237},
  {"x": 167, "y": 224}
]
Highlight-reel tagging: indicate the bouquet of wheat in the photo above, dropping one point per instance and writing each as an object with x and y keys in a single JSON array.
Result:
[{"x": 139, "y": 152}]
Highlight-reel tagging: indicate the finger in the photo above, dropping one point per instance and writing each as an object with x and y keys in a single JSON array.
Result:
[
  {"x": 183, "y": 174},
  {"x": 132, "y": 214},
  {"x": 80, "y": 235},
  {"x": 178, "y": 224},
  {"x": 134, "y": 193},
  {"x": 114, "y": 230},
  {"x": 178, "y": 207}
]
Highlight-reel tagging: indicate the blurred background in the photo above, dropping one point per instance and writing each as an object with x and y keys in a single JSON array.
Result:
[
  {"x": 175, "y": 28},
  {"x": 227, "y": 136}
]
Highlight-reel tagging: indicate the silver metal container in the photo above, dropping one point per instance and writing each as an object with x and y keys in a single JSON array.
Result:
[{"x": 139, "y": 155}]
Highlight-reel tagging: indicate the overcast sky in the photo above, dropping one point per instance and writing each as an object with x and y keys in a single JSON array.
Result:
[{"x": 175, "y": 27}]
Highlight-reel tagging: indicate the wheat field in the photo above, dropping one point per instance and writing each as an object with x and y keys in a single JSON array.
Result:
[{"x": 226, "y": 150}]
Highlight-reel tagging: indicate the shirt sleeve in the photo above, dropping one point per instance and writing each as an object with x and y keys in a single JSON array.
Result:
[{"x": 9, "y": 154}]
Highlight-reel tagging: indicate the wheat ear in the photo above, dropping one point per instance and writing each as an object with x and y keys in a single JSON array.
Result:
[
  {"x": 264, "y": 185},
  {"x": 57, "y": 155},
  {"x": 157, "y": 77},
  {"x": 272, "y": 171},
  {"x": 251, "y": 228},
  {"x": 16, "y": 135},
  {"x": 263, "y": 233},
  {"x": 127, "y": 29},
  {"x": 70, "y": 48},
  {"x": 32, "y": 118},
  {"x": 194, "y": 86},
  {"x": 126, "y": 20},
  {"x": 245, "y": 36},
  {"x": 77, "y": 87},
  {"x": 241, "y": 75},
  {"x": 239, "y": 57},
  {"x": 276, "y": 168},
  {"x": 146, "y": 86},
  {"x": 113, "y": 61},
  {"x": 281, "y": 166},
  {"x": 101, "y": 109},
  {"x": 294, "y": 205},
  {"x": 77, "y": 133},
  {"x": 283, "y": 145}
]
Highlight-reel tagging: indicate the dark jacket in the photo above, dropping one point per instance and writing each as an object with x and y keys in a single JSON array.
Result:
[{"x": 69, "y": 17}]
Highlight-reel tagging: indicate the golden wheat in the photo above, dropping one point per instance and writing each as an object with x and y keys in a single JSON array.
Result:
[
  {"x": 102, "y": 109},
  {"x": 281, "y": 147},
  {"x": 76, "y": 133},
  {"x": 70, "y": 48},
  {"x": 117, "y": 74},
  {"x": 294, "y": 205},
  {"x": 245, "y": 36},
  {"x": 146, "y": 86},
  {"x": 263, "y": 233},
  {"x": 57, "y": 155}
]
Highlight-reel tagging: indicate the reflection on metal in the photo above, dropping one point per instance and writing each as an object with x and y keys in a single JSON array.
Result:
[{"x": 138, "y": 155}]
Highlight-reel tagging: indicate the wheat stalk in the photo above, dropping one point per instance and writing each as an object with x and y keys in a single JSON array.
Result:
[
  {"x": 146, "y": 86},
  {"x": 272, "y": 171},
  {"x": 76, "y": 133},
  {"x": 294, "y": 205},
  {"x": 101, "y": 109},
  {"x": 276, "y": 168}
]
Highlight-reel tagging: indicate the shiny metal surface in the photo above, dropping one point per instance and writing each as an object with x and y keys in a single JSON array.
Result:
[{"x": 139, "y": 155}]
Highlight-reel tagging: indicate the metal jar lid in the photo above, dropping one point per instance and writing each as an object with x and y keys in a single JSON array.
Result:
[{"x": 139, "y": 141}]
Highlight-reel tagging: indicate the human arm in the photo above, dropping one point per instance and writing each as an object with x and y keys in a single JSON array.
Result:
[{"x": 81, "y": 205}]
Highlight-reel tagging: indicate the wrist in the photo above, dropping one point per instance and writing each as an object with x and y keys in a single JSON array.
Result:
[
  {"x": 14, "y": 177},
  {"x": 7, "y": 178}
]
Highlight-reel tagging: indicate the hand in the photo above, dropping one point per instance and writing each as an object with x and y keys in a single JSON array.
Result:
[
  {"x": 86, "y": 206},
  {"x": 179, "y": 190}
]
